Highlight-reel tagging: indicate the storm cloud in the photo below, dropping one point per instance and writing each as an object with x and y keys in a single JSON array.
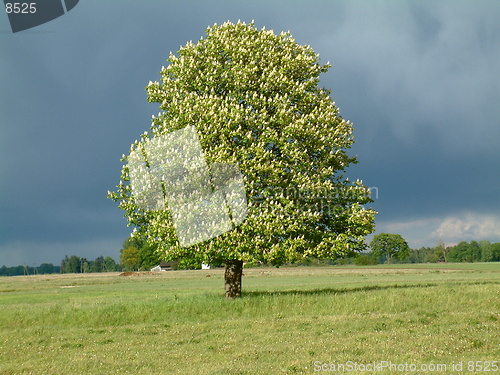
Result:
[{"x": 419, "y": 80}]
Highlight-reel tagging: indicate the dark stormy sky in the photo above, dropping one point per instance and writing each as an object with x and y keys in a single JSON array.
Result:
[{"x": 420, "y": 80}]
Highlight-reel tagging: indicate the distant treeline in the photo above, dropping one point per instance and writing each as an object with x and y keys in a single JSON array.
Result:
[
  {"x": 76, "y": 264},
  {"x": 45, "y": 268},
  {"x": 73, "y": 264},
  {"x": 145, "y": 256},
  {"x": 473, "y": 251}
]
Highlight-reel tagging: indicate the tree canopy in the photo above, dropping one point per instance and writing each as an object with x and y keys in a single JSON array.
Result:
[
  {"x": 255, "y": 101},
  {"x": 390, "y": 245}
]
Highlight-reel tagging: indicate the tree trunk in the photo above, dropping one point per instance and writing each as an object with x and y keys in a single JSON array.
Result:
[{"x": 232, "y": 278}]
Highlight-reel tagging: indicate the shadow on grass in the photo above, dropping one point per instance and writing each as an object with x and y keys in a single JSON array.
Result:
[{"x": 337, "y": 291}]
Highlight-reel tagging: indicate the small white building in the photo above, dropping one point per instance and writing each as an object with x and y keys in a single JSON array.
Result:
[
  {"x": 205, "y": 266},
  {"x": 163, "y": 266}
]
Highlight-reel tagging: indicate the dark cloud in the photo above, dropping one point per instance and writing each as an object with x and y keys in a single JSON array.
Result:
[{"x": 419, "y": 80}]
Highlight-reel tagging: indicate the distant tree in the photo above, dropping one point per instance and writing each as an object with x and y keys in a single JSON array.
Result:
[
  {"x": 129, "y": 258},
  {"x": 455, "y": 253},
  {"x": 71, "y": 265},
  {"x": 109, "y": 264},
  {"x": 62, "y": 267},
  {"x": 133, "y": 241},
  {"x": 486, "y": 251},
  {"x": 255, "y": 100},
  {"x": 465, "y": 252},
  {"x": 474, "y": 251},
  {"x": 495, "y": 250},
  {"x": 46, "y": 268},
  {"x": 432, "y": 256},
  {"x": 85, "y": 265},
  {"x": 389, "y": 245},
  {"x": 441, "y": 251},
  {"x": 436, "y": 254},
  {"x": 461, "y": 252},
  {"x": 98, "y": 264},
  {"x": 149, "y": 256}
]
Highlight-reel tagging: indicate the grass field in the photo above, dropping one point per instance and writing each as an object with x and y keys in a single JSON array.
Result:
[{"x": 297, "y": 320}]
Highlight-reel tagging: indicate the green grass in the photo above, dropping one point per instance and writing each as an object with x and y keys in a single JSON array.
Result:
[{"x": 288, "y": 320}]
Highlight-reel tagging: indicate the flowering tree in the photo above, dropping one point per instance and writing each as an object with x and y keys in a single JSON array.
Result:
[{"x": 255, "y": 102}]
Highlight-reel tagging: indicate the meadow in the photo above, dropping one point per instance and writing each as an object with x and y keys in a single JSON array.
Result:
[{"x": 442, "y": 318}]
